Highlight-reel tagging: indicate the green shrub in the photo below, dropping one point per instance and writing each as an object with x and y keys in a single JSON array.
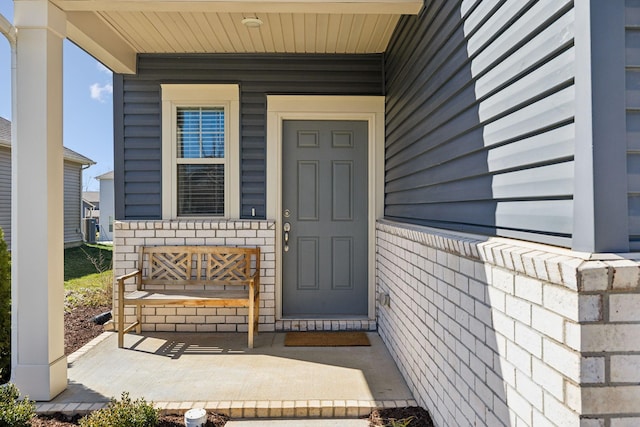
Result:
[
  {"x": 123, "y": 413},
  {"x": 5, "y": 311},
  {"x": 15, "y": 412}
]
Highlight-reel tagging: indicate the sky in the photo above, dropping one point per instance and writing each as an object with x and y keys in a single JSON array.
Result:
[{"x": 87, "y": 103}]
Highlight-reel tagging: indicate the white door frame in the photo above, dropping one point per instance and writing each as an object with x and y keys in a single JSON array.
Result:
[{"x": 321, "y": 107}]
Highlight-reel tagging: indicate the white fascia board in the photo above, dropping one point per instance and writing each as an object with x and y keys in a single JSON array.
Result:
[
  {"x": 392, "y": 7},
  {"x": 93, "y": 35}
]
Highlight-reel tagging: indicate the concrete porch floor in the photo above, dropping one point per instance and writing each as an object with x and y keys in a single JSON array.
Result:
[{"x": 216, "y": 371}]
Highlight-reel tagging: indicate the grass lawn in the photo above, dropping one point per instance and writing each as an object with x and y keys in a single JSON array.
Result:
[
  {"x": 85, "y": 260},
  {"x": 88, "y": 275}
]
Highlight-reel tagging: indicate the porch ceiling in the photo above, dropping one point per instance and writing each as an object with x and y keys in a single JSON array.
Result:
[{"x": 114, "y": 31}]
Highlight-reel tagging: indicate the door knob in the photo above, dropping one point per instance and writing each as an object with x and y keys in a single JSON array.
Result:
[{"x": 287, "y": 228}]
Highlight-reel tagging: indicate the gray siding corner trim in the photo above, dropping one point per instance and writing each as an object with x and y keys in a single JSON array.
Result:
[
  {"x": 632, "y": 117},
  {"x": 118, "y": 146},
  {"x": 480, "y": 112},
  {"x": 137, "y": 114},
  {"x": 601, "y": 212}
]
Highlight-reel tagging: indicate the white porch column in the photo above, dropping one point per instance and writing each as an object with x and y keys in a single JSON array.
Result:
[{"x": 39, "y": 367}]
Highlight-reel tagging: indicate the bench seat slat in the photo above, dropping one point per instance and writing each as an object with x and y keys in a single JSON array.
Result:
[{"x": 222, "y": 298}]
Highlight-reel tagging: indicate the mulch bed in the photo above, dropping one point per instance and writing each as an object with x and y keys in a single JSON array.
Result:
[
  {"x": 79, "y": 330},
  {"x": 412, "y": 416}
]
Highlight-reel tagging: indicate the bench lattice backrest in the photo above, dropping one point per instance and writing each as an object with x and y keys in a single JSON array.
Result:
[{"x": 197, "y": 265}]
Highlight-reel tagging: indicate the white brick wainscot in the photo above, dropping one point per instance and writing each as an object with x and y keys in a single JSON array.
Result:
[
  {"x": 499, "y": 332},
  {"x": 129, "y": 235}
]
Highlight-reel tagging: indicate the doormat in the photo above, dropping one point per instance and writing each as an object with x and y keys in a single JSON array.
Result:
[{"x": 326, "y": 339}]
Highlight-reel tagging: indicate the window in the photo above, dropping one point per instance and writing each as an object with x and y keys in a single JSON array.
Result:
[{"x": 200, "y": 137}]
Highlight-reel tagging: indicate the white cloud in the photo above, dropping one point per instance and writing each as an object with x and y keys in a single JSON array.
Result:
[
  {"x": 100, "y": 92},
  {"x": 102, "y": 68}
]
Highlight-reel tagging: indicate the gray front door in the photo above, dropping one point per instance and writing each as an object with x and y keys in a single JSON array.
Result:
[{"x": 325, "y": 204}]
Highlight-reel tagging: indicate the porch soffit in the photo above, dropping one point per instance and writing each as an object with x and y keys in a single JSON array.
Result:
[{"x": 114, "y": 31}]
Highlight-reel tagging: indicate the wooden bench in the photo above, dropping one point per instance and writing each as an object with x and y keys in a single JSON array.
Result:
[{"x": 194, "y": 276}]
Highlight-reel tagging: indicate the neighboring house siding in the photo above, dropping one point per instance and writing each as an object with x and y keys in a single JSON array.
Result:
[
  {"x": 633, "y": 119},
  {"x": 138, "y": 113},
  {"x": 5, "y": 193},
  {"x": 480, "y": 112},
  {"x": 72, "y": 201},
  {"x": 106, "y": 209},
  {"x": 72, "y": 198}
]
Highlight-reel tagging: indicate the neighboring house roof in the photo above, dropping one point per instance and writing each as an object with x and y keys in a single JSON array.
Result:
[
  {"x": 69, "y": 155},
  {"x": 108, "y": 175},
  {"x": 92, "y": 197},
  {"x": 5, "y": 131},
  {"x": 72, "y": 156}
]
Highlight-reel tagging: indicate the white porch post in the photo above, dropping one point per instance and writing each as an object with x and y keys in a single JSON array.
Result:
[{"x": 39, "y": 367}]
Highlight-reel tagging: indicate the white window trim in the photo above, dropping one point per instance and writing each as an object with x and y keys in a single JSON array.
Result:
[{"x": 201, "y": 95}]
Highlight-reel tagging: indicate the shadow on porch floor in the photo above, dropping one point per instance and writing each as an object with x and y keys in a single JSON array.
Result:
[{"x": 180, "y": 371}]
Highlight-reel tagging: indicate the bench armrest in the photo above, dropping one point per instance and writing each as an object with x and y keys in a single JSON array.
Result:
[{"x": 121, "y": 279}]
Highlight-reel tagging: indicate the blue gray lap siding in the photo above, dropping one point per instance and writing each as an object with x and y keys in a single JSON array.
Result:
[
  {"x": 137, "y": 114},
  {"x": 480, "y": 119}
]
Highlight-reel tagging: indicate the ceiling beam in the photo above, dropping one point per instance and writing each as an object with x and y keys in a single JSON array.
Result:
[
  {"x": 394, "y": 7},
  {"x": 96, "y": 37}
]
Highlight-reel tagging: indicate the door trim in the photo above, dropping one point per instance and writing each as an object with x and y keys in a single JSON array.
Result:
[{"x": 321, "y": 107}]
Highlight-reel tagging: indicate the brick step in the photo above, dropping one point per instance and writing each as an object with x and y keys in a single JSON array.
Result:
[{"x": 251, "y": 409}]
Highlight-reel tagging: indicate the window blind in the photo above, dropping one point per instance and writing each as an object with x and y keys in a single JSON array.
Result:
[
  {"x": 201, "y": 190},
  {"x": 200, "y": 132},
  {"x": 200, "y": 156}
]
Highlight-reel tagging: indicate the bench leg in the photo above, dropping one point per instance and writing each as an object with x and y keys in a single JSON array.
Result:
[
  {"x": 122, "y": 329},
  {"x": 120, "y": 323},
  {"x": 252, "y": 314},
  {"x": 120, "y": 336},
  {"x": 256, "y": 315},
  {"x": 251, "y": 324},
  {"x": 139, "y": 319}
]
